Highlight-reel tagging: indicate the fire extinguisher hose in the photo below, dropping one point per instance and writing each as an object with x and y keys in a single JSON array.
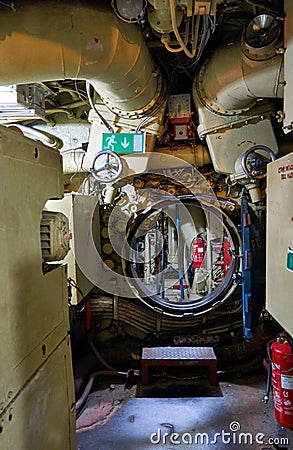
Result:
[
  {"x": 269, "y": 383},
  {"x": 266, "y": 396}
]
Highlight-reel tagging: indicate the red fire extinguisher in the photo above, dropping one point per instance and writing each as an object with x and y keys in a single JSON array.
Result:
[
  {"x": 227, "y": 256},
  {"x": 198, "y": 252},
  {"x": 282, "y": 378}
]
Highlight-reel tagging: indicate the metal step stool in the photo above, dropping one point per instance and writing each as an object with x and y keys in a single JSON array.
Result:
[{"x": 179, "y": 356}]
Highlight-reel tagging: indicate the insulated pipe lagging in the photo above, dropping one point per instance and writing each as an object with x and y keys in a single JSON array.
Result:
[
  {"x": 45, "y": 41},
  {"x": 229, "y": 83}
]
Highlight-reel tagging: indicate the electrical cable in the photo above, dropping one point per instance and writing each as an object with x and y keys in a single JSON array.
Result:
[
  {"x": 73, "y": 283},
  {"x": 10, "y": 5},
  {"x": 177, "y": 34},
  {"x": 207, "y": 29},
  {"x": 171, "y": 49},
  {"x": 90, "y": 382},
  {"x": 143, "y": 122},
  {"x": 177, "y": 49},
  {"x": 78, "y": 168},
  {"x": 99, "y": 356},
  {"x": 76, "y": 149},
  {"x": 82, "y": 95},
  {"x": 70, "y": 114},
  {"x": 156, "y": 109},
  {"x": 39, "y": 135},
  {"x": 93, "y": 106}
]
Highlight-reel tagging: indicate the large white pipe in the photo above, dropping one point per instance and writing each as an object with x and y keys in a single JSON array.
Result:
[
  {"x": 230, "y": 82},
  {"x": 43, "y": 41}
]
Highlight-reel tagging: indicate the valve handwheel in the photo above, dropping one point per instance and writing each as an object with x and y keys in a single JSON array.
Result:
[
  {"x": 255, "y": 160},
  {"x": 110, "y": 166}
]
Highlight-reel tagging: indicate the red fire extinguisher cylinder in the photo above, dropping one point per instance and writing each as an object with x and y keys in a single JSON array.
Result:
[
  {"x": 282, "y": 378},
  {"x": 198, "y": 252}
]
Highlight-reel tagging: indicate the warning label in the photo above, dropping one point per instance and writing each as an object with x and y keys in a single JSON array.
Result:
[
  {"x": 287, "y": 382},
  {"x": 286, "y": 172}
]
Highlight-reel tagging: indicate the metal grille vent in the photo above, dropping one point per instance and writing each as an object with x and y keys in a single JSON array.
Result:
[{"x": 54, "y": 236}]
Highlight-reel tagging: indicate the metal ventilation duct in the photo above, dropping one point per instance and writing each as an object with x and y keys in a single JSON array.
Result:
[
  {"x": 237, "y": 75},
  {"x": 230, "y": 83},
  {"x": 42, "y": 41},
  {"x": 227, "y": 93}
]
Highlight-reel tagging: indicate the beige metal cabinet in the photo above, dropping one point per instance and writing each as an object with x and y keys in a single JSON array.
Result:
[
  {"x": 36, "y": 381},
  {"x": 279, "y": 277}
]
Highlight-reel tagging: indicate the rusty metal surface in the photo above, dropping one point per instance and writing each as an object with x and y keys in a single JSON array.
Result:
[
  {"x": 178, "y": 353},
  {"x": 102, "y": 405}
]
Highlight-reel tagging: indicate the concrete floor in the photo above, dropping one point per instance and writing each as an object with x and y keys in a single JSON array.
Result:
[{"x": 115, "y": 419}]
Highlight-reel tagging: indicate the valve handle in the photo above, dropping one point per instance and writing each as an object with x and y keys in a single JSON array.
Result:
[
  {"x": 110, "y": 169},
  {"x": 254, "y": 163}
]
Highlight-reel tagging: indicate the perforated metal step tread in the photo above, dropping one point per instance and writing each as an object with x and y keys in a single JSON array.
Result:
[
  {"x": 179, "y": 353},
  {"x": 179, "y": 356}
]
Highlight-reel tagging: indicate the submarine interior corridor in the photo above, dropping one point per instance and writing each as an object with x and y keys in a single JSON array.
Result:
[{"x": 146, "y": 241}]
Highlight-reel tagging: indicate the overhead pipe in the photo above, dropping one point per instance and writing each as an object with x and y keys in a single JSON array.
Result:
[
  {"x": 232, "y": 80},
  {"x": 227, "y": 91},
  {"x": 37, "y": 135},
  {"x": 196, "y": 155},
  {"x": 46, "y": 41}
]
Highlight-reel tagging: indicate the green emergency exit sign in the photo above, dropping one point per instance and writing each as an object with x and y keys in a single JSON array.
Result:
[{"x": 124, "y": 142}]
